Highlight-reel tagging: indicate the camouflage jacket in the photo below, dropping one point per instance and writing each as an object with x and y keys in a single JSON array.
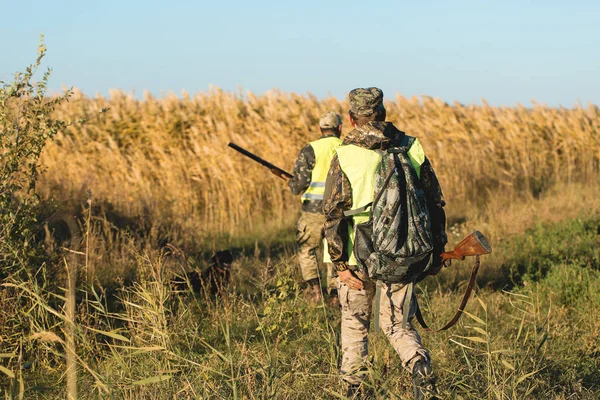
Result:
[
  {"x": 302, "y": 176},
  {"x": 338, "y": 193}
]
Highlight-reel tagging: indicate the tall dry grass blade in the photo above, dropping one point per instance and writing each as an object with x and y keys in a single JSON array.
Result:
[{"x": 71, "y": 357}]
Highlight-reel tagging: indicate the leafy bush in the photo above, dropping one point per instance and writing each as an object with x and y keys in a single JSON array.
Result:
[
  {"x": 548, "y": 246},
  {"x": 26, "y": 124}
]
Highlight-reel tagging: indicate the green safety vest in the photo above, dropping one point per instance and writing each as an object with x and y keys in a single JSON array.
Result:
[
  {"x": 324, "y": 149},
  {"x": 360, "y": 165}
]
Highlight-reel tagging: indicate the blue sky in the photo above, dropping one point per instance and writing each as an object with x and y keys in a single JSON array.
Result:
[{"x": 504, "y": 51}]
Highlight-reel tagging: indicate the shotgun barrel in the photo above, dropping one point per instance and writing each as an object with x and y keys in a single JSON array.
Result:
[{"x": 261, "y": 161}]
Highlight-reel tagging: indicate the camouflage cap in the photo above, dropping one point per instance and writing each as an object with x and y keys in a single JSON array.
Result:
[
  {"x": 364, "y": 102},
  {"x": 330, "y": 120}
]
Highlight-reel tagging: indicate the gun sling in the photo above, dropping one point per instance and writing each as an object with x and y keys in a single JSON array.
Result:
[{"x": 461, "y": 308}]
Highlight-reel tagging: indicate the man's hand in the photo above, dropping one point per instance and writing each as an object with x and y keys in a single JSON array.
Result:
[
  {"x": 350, "y": 279},
  {"x": 280, "y": 175}
]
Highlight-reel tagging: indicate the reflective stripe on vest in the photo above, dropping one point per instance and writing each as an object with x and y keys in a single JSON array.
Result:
[
  {"x": 324, "y": 149},
  {"x": 359, "y": 165}
]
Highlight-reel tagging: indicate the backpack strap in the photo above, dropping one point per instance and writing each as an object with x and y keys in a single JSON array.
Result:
[
  {"x": 408, "y": 299},
  {"x": 376, "y": 306},
  {"x": 461, "y": 308},
  {"x": 405, "y": 145},
  {"x": 359, "y": 210},
  {"x": 349, "y": 213}
]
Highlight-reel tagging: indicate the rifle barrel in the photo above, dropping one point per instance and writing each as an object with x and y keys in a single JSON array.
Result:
[{"x": 258, "y": 159}]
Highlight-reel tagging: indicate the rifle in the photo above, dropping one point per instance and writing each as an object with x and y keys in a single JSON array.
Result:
[
  {"x": 473, "y": 245},
  {"x": 274, "y": 169}
]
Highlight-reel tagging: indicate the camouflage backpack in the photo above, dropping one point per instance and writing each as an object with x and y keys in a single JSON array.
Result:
[{"x": 396, "y": 244}]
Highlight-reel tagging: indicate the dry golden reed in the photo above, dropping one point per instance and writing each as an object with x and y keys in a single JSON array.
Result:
[{"x": 166, "y": 159}]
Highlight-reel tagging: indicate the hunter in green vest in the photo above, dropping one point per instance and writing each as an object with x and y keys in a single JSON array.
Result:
[
  {"x": 349, "y": 186},
  {"x": 310, "y": 173}
]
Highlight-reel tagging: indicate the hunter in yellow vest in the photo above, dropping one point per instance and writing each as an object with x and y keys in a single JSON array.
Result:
[
  {"x": 350, "y": 185},
  {"x": 310, "y": 173}
]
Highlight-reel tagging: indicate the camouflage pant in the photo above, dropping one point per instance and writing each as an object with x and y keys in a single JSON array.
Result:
[
  {"x": 309, "y": 237},
  {"x": 356, "y": 316}
]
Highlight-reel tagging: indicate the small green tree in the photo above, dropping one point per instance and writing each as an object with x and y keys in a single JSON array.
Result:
[{"x": 26, "y": 124}]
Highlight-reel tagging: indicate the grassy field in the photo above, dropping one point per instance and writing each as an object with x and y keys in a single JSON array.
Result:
[
  {"x": 260, "y": 339},
  {"x": 157, "y": 190}
]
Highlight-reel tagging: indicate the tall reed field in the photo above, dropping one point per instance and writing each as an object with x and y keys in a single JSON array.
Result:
[
  {"x": 149, "y": 189},
  {"x": 165, "y": 161}
]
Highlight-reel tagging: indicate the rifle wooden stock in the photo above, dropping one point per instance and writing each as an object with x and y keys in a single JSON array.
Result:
[
  {"x": 275, "y": 169},
  {"x": 473, "y": 245}
]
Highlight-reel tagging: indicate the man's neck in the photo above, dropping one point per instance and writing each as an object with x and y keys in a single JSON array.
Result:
[{"x": 326, "y": 135}]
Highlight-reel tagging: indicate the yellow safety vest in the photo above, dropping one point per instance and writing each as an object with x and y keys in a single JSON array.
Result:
[
  {"x": 359, "y": 165},
  {"x": 324, "y": 149}
]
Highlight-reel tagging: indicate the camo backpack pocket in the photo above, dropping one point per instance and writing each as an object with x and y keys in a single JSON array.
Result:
[{"x": 396, "y": 244}]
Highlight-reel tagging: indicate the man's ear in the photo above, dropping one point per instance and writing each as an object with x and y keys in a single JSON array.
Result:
[{"x": 352, "y": 122}]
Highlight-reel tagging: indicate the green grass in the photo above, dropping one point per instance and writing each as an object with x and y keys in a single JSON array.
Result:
[
  {"x": 261, "y": 340},
  {"x": 534, "y": 254}
]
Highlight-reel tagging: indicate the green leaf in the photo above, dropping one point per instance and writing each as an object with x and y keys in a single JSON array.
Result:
[
  {"x": 138, "y": 349},
  {"x": 483, "y": 305},
  {"x": 461, "y": 345},
  {"x": 153, "y": 379},
  {"x": 521, "y": 327},
  {"x": 544, "y": 338},
  {"x": 473, "y": 339},
  {"x": 479, "y": 330},
  {"x": 147, "y": 349},
  {"x": 508, "y": 365},
  {"x": 521, "y": 379},
  {"x": 111, "y": 334},
  {"x": 7, "y": 371},
  {"x": 474, "y": 318}
]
